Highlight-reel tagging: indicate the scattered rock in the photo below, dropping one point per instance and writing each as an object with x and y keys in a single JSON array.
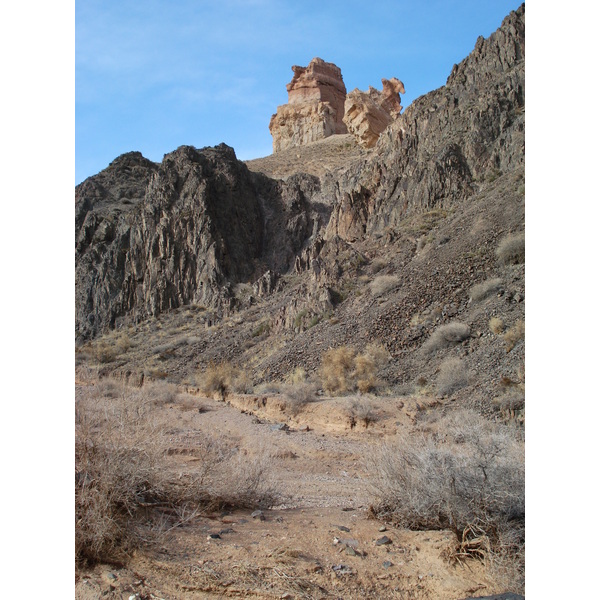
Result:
[
  {"x": 382, "y": 541},
  {"x": 382, "y": 528},
  {"x": 258, "y": 514},
  {"x": 343, "y": 528},
  {"x": 387, "y": 564},
  {"x": 213, "y": 536}
]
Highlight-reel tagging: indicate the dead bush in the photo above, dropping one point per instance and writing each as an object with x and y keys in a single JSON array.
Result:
[
  {"x": 383, "y": 283},
  {"x": 361, "y": 410},
  {"x": 129, "y": 491},
  {"x": 467, "y": 476},
  {"x": 446, "y": 335},
  {"x": 511, "y": 249},
  {"x": 343, "y": 370},
  {"x": 223, "y": 378},
  {"x": 337, "y": 367},
  {"x": 496, "y": 325},
  {"x": 298, "y": 395},
  {"x": 160, "y": 392},
  {"x": 484, "y": 289},
  {"x": 452, "y": 376},
  {"x": 514, "y": 335}
]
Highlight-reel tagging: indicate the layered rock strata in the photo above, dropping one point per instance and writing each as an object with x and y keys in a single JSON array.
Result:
[
  {"x": 367, "y": 114},
  {"x": 315, "y": 108}
]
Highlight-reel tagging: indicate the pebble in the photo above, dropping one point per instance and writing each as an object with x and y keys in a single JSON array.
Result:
[
  {"x": 343, "y": 528},
  {"x": 213, "y": 536},
  {"x": 382, "y": 528},
  {"x": 387, "y": 564},
  {"x": 383, "y": 540},
  {"x": 258, "y": 514}
]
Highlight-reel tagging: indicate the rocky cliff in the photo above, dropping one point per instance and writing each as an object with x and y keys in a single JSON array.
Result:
[
  {"x": 150, "y": 237},
  {"x": 155, "y": 237}
]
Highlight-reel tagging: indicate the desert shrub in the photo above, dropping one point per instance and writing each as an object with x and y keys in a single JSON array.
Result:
[
  {"x": 470, "y": 480},
  {"x": 514, "y": 335},
  {"x": 298, "y": 375},
  {"x": 361, "y": 410},
  {"x": 365, "y": 373},
  {"x": 160, "y": 392},
  {"x": 298, "y": 395},
  {"x": 453, "y": 375},
  {"x": 510, "y": 405},
  {"x": 217, "y": 378},
  {"x": 127, "y": 489},
  {"x": 337, "y": 366},
  {"x": 123, "y": 343},
  {"x": 104, "y": 352},
  {"x": 446, "y": 335},
  {"x": 511, "y": 249},
  {"x": 484, "y": 289},
  {"x": 343, "y": 370},
  {"x": 496, "y": 325},
  {"x": 383, "y": 283},
  {"x": 263, "y": 329}
]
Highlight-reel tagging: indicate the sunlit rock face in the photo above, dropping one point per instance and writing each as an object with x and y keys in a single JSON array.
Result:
[
  {"x": 315, "y": 108},
  {"x": 367, "y": 114}
]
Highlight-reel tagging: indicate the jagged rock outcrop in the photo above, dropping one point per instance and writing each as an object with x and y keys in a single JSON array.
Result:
[
  {"x": 155, "y": 237},
  {"x": 367, "y": 114},
  {"x": 444, "y": 143},
  {"x": 315, "y": 108}
]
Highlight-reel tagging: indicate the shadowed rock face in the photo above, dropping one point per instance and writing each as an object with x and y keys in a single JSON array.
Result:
[
  {"x": 154, "y": 237},
  {"x": 315, "y": 108}
]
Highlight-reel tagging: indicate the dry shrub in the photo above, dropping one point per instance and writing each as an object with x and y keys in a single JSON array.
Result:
[
  {"x": 298, "y": 395},
  {"x": 514, "y": 335},
  {"x": 298, "y": 375},
  {"x": 361, "y": 410},
  {"x": 104, "y": 352},
  {"x": 453, "y": 375},
  {"x": 511, "y": 405},
  {"x": 511, "y": 249},
  {"x": 128, "y": 489},
  {"x": 484, "y": 289},
  {"x": 223, "y": 378},
  {"x": 123, "y": 343},
  {"x": 383, "y": 283},
  {"x": 160, "y": 392},
  {"x": 468, "y": 477},
  {"x": 496, "y": 325},
  {"x": 343, "y": 370},
  {"x": 446, "y": 335},
  {"x": 337, "y": 366}
]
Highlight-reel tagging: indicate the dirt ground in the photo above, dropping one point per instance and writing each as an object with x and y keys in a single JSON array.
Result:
[{"x": 319, "y": 542}]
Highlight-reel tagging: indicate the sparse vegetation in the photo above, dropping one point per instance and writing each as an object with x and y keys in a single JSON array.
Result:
[
  {"x": 126, "y": 493},
  {"x": 446, "y": 335},
  {"x": 298, "y": 395},
  {"x": 484, "y": 289},
  {"x": 511, "y": 249},
  {"x": 344, "y": 370},
  {"x": 496, "y": 325},
  {"x": 453, "y": 375},
  {"x": 513, "y": 335},
  {"x": 361, "y": 410},
  {"x": 470, "y": 480},
  {"x": 383, "y": 283},
  {"x": 223, "y": 378}
]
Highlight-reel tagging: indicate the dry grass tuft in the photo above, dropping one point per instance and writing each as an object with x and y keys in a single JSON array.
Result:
[
  {"x": 511, "y": 249},
  {"x": 361, "y": 410},
  {"x": 484, "y": 289},
  {"x": 298, "y": 395},
  {"x": 514, "y": 335},
  {"x": 383, "y": 283},
  {"x": 453, "y": 375},
  {"x": 446, "y": 335},
  {"x": 496, "y": 325},
  {"x": 223, "y": 378}
]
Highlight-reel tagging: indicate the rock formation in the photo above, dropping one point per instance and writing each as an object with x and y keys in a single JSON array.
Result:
[
  {"x": 367, "y": 114},
  {"x": 153, "y": 237},
  {"x": 315, "y": 108},
  {"x": 150, "y": 237}
]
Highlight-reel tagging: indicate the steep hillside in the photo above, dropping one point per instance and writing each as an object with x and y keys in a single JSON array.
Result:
[{"x": 232, "y": 265}]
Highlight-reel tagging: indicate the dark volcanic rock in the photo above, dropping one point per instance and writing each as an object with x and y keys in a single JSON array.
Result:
[{"x": 154, "y": 237}]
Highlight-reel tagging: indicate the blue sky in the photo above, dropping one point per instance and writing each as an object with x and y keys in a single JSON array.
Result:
[{"x": 153, "y": 75}]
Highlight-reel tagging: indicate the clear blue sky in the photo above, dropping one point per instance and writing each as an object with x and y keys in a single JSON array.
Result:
[{"x": 153, "y": 75}]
